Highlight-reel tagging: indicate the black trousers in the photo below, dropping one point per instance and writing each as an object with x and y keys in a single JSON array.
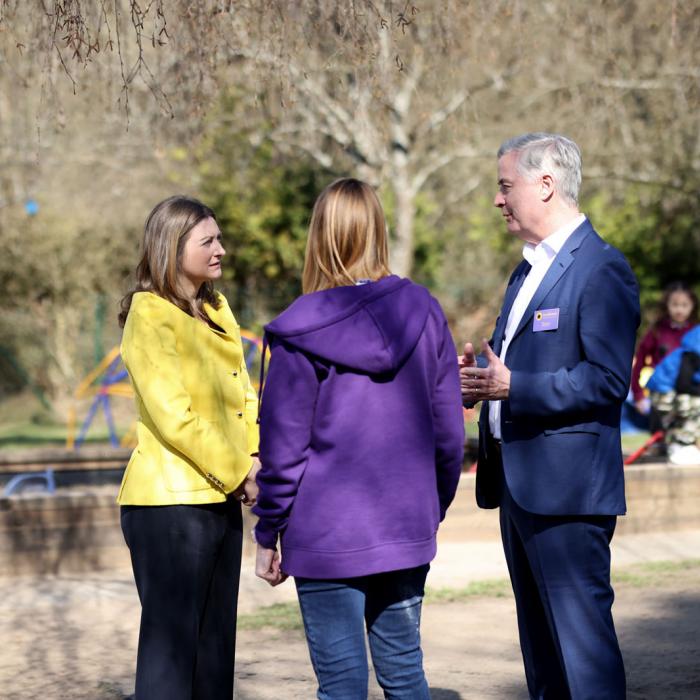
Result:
[{"x": 187, "y": 563}]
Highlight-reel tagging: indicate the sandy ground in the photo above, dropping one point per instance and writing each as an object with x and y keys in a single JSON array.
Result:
[{"x": 75, "y": 637}]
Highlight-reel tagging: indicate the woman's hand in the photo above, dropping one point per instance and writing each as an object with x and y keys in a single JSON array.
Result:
[
  {"x": 267, "y": 566},
  {"x": 250, "y": 485},
  {"x": 247, "y": 492}
]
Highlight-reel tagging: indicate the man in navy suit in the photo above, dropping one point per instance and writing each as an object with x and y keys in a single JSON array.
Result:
[{"x": 552, "y": 381}]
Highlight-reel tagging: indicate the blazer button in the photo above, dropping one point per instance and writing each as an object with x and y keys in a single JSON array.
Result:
[
  {"x": 239, "y": 414},
  {"x": 234, "y": 373}
]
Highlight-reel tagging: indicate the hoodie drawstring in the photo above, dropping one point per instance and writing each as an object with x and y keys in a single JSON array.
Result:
[{"x": 262, "y": 374}]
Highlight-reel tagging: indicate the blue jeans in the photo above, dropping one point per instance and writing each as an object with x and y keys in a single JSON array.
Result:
[{"x": 335, "y": 614}]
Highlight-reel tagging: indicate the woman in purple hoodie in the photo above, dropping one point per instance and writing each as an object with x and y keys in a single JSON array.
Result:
[{"x": 362, "y": 439}]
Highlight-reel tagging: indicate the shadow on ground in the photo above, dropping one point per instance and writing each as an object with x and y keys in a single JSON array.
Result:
[{"x": 661, "y": 646}]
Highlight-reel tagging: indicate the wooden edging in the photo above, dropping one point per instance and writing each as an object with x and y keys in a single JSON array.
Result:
[{"x": 85, "y": 459}]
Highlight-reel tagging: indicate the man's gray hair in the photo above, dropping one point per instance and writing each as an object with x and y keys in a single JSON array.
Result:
[{"x": 553, "y": 153}]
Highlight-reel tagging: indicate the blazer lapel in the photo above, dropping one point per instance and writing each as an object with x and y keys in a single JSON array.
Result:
[
  {"x": 223, "y": 320},
  {"x": 508, "y": 300},
  {"x": 559, "y": 266}
]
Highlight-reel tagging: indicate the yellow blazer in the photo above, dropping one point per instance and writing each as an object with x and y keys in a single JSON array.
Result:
[{"x": 197, "y": 412}]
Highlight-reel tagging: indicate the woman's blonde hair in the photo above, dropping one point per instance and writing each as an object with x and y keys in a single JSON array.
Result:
[
  {"x": 347, "y": 237},
  {"x": 164, "y": 238}
]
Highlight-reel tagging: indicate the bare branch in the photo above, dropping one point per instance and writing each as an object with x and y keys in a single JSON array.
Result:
[
  {"x": 440, "y": 116},
  {"x": 311, "y": 148},
  {"x": 654, "y": 179},
  {"x": 634, "y": 84},
  {"x": 439, "y": 161}
]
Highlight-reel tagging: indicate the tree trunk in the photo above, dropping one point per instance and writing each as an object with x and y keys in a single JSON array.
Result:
[{"x": 401, "y": 244}]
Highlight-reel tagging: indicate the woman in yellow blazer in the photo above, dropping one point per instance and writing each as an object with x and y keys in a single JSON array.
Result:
[{"x": 195, "y": 461}]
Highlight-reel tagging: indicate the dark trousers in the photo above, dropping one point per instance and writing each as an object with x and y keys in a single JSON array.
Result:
[
  {"x": 187, "y": 563},
  {"x": 560, "y": 570}
]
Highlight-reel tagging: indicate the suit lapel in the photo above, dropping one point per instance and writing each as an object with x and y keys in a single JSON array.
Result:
[
  {"x": 559, "y": 266},
  {"x": 511, "y": 292}
]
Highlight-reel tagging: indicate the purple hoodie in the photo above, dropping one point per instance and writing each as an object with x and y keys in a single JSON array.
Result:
[{"x": 361, "y": 430}]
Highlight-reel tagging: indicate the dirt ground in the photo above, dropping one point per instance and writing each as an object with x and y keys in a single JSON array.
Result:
[{"x": 76, "y": 638}]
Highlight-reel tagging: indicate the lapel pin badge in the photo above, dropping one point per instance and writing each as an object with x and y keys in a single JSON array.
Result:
[{"x": 546, "y": 320}]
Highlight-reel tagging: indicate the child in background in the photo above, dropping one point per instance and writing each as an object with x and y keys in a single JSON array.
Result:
[
  {"x": 675, "y": 395},
  {"x": 679, "y": 308}
]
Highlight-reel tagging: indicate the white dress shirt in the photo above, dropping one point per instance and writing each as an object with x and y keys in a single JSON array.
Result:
[{"x": 540, "y": 257}]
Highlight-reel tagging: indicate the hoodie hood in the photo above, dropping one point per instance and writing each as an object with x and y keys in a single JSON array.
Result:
[{"x": 371, "y": 327}]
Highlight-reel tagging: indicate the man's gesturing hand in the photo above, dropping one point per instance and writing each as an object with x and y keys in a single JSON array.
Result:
[{"x": 490, "y": 383}]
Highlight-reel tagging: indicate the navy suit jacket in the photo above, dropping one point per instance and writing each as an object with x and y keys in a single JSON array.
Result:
[{"x": 560, "y": 426}]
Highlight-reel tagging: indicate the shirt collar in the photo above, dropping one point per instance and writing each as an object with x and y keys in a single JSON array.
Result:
[{"x": 550, "y": 246}]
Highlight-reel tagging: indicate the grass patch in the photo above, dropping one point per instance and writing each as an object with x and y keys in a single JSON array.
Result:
[
  {"x": 490, "y": 588},
  {"x": 25, "y": 423},
  {"x": 654, "y": 573},
  {"x": 633, "y": 441},
  {"x": 29, "y": 433},
  {"x": 286, "y": 616},
  {"x": 635, "y": 576},
  {"x": 108, "y": 690},
  {"x": 281, "y": 616},
  {"x": 39, "y": 434}
]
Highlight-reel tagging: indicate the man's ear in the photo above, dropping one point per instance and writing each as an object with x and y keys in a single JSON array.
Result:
[{"x": 546, "y": 187}]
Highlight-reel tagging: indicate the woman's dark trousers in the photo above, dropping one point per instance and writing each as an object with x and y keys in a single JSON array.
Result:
[{"x": 187, "y": 562}]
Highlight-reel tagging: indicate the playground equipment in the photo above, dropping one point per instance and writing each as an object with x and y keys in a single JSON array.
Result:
[
  {"x": 112, "y": 380},
  {"x": 656, "y": 437},
  {"x": 46, "y": 478},
  {"x": 254, "y": 344}
]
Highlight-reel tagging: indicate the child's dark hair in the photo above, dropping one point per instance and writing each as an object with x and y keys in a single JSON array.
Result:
[{"x": 674, "y": 287}]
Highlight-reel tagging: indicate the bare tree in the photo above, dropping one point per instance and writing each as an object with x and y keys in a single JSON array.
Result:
[
  {"x": 413, "y": 96},
  {"x": 378, "y": 88},
  {"x": 374, "y": 99},
  {"x": 401, "y": 91}
]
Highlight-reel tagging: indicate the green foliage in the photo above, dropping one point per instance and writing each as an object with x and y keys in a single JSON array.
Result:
[
  {"x": 486, "y": 227},
  {"x": 462, "y": 254},
  {"x": 657, "y": 230},
  {"x": 428, "y": 243},
  {"x": 479, "y": 255},
  {"x": 263, "y": 200},
  {"x": 53, "y": 272}
]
